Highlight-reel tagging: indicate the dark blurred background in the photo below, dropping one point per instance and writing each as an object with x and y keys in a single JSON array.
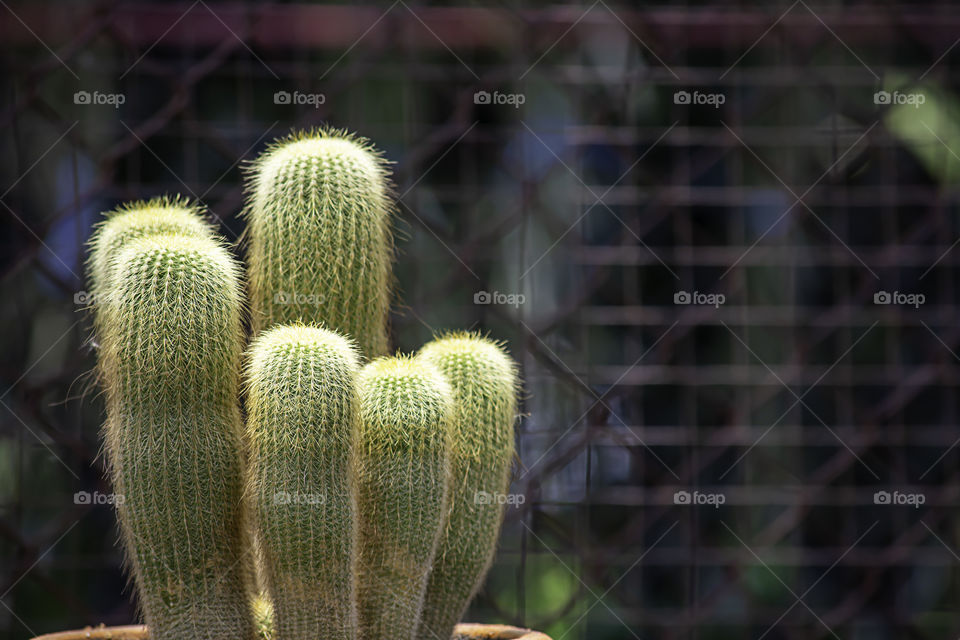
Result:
[{"x": 775, "y": 459}]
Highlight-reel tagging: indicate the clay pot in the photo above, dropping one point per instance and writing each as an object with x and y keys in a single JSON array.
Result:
[{"x": 139, "y": 632}]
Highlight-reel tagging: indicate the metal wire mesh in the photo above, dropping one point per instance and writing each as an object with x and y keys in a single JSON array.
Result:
[{"x": 720, "y": 239}]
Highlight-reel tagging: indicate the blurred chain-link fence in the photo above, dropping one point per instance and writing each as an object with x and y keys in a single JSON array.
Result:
[{"x": 720, "y": 239}]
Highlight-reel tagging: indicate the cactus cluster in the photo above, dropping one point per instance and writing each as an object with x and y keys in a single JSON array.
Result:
[{"x": 348, "y": 493}]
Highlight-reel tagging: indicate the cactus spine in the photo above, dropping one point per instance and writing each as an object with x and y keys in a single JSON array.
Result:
[
  {"x": 171, "y": 336},
  {"x": 403, "y": 474},
  {"x": 484, "y": 384},
  {"x": 320, "y": 240},
  {"x": 302, "y": 426}
]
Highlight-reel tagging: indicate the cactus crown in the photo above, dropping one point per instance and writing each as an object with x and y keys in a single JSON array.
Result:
[
  {"x": 403, "y": 401},
  {"x": 163, "y": 215},
  {"x": 485, "y": 382},
  {"x": 342, "y": 160},
  {"x": 301, "y": 346},
  {"x": 186, "y": 287},
  {"x": 474, "y": 357}
]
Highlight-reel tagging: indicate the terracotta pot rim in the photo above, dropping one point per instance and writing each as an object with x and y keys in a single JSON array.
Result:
[{"x": 139, "y": 632}]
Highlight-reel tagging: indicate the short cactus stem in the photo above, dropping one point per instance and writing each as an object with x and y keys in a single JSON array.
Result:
[
  {"x": 302, "y": 426},
  {"x": 484, "y": 383},
  {"x": 403, "y": 474},
  {"x": 321, "y": 244},
  {"x": 172, "y": 339}
]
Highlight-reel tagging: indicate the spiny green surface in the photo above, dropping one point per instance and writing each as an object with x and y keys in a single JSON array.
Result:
[
  {"x": 403, "y": 474},
  {"x": 137, "y": 220},
  {"x": 302, "y": 427},
  {"x": 485, "y": 384},
  {"x": 172, "y": 339},
  {"x": 320, "y": 244}
]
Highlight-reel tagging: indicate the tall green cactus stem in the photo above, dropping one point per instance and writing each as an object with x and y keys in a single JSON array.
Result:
[
  {"x": 172, "y": 338},
  {"x": 485, "y": 385},
  {"x": 138, "y": 220},
  {"x": 320, "y": 244},
  {"x": 302, "y": 428},
  {"x": 404, "y": 467}
]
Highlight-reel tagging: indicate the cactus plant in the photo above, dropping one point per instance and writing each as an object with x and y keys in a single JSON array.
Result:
[
  {"x": 402, "y": 476},
  {"x": 361, "y": 484},
  {"x": 484, "y": 384},
  {"x": 301, "y": 428},
  {"x": 320, "y": 244},
  {"x": 171, "y": 336},
  {"x": 164, "y": 215}
]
